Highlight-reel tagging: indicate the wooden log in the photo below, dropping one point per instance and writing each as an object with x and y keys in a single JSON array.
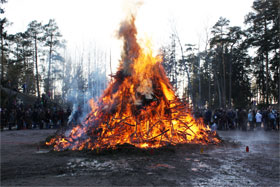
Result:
[
  {"x": 160, "y": 134},
  {"x": 154, "y": 125},
  {"x": 186, "y": 125},
  {"x": 128, "y": 124}
]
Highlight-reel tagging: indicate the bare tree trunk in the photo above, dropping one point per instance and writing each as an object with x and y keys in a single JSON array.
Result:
[
  {"x": 209, "y": 78},
  {"x": 49, "y": 70},
  {"x": 2, "y": 53},
  {"x": 89, "y": 70},
  {"x": 63, "y": 77},
  {"x": 266, "y": 79},
  {"x": 188, "y": 74},
  {"x": 224, "y": 77},
  {"x": 263, "y": 94},
  {"x": 230, "y": 75},
  {"x": 266, "y": 68},
  {"x": 36, "y": 65},
  {"x": 219, "y": 89},
  {"x": 219, "y": 92}
]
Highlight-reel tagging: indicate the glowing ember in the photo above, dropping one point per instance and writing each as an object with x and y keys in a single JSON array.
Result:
[{"x": 139, "y": 107}]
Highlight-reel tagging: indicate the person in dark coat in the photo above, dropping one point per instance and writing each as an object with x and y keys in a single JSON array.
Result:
[
  {"x": 3, "y": 117},
  {"x": 243, "y": 119},
  {"x": 35, "y": 118},
  {"x": 41, "y": 118},
  {"x": 208, "y": 115},
  {"x": 47, "y": 118},
  {"x": 61, "y": 117}
]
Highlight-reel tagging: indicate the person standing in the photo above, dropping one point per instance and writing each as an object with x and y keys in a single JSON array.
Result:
[
  {"x": 3, "y": 118},
  {"x": 272, "y": 119},
  {"x": 12, "y": 119},
  {"x": 258, "y": 120},
  {"x": 265, "y": 119},
  {"x": 35, "y": 118},
  {"x": 250, "y": 120},
  {"x": 207, "y": 117},
  {"x": 19, "y": 118},
  {"x": 236, "y": 119},
  {"x": 243, "y": 119},
  {"x": 48, "y": 118}
]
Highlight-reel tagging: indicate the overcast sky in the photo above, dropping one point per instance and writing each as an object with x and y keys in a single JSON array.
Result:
[{"x": 86, "y": 21}]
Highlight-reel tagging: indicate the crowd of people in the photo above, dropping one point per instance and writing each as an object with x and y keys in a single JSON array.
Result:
[
  {"x": 40, "y": 115},
  {"x": 226, "y": 119}
]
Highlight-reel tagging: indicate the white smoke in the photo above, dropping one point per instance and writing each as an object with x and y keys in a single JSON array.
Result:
[{"x": 88, "y": 81}]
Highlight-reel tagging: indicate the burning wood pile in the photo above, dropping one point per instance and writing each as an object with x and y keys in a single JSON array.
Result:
[{"x": 139, "y": 107}]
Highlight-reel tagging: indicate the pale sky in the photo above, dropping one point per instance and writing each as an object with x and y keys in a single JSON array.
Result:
[{"x": 96, "y": 21}]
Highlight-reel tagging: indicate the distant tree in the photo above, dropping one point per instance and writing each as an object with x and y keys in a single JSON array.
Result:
[
  {"x": 57, "y": 71},
  {"x": 190, "y": 64},
  {"x": 207, "y": 76},
  {"x": 20, "y": 66},
  {"x": 240, "y": 73},
  {"x": 183, "y": 67},
  {"x": 97, "y": 82},
  {"x": 214, "y": 69},
  {"x": 67, "y": 78},
  {"x": 35, "y": 31},
  {"x": 176, "y": 66},
  {"x": 234, "y": 37},
  {"x": 169, "y": 61},
  {"x": 78, "y": 85},
  {"x": 52, "y": 41},
  {"x": 219, "y": 31},
  {"x": 3, "y": 34},
  {"x": 263, "y": 36}
]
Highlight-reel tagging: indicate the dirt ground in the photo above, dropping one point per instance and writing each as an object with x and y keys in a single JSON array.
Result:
[{"x": 24, "y": 163}]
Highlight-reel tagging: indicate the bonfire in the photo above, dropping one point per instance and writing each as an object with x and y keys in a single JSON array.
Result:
[{"x": 139, "y": 107}]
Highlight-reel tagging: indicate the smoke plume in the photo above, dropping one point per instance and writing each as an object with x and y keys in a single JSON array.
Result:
[{"x": 131, "y": 48}]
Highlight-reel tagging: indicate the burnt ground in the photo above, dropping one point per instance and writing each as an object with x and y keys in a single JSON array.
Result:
[{"x": 25, "y": 163}]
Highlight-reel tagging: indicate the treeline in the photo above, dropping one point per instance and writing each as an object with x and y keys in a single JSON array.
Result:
[
  {"x": 37, "y": 62},
  {"x": 238, "y": 67},
  {"x": 31, "y": 59}
]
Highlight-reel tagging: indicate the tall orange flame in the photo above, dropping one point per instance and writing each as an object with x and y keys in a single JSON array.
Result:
[{"x": 139, "y": 107}]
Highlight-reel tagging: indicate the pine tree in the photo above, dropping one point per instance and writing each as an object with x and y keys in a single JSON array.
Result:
[
  {"x": 3, "y": 35},
  {"x": 264, "y": 37},
  {"x": 35, "y": 31},
  {"x": 52, "y": 41},
  {"x": 219, "y": 31}
]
